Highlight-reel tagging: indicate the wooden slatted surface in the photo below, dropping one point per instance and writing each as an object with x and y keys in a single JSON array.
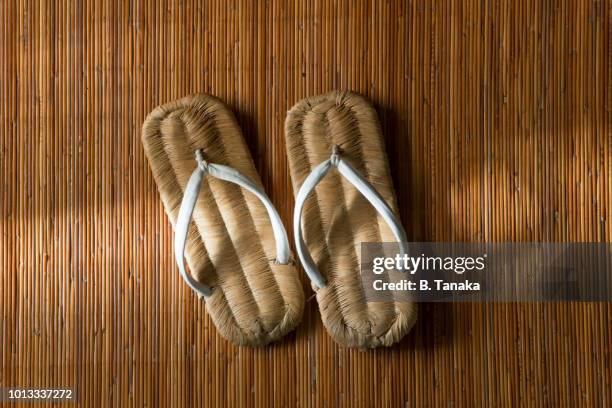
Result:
[{"x": 497, "y": 118}]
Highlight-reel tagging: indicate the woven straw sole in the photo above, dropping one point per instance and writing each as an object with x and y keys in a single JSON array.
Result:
[
  {"x": 230, "y": 245},
  {"x": 337, "y": 218}
]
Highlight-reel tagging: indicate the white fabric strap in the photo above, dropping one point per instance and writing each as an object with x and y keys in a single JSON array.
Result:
[
  {"x": 190, "y": 197},
  {"x": 362, "y": 185}
]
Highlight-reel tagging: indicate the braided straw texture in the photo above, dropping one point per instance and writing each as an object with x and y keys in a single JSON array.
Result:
[
  {"x": 337, "y": 218},
  {"x": 231, "y": 244}
]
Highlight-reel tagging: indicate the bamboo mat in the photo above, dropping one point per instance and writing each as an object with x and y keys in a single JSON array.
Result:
[{"x": 498, "y": 124}]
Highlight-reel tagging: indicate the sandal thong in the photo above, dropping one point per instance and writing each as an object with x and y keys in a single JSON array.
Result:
[
  {"x": 354, "y": 204},
  {"x": 236, "y": 247}
]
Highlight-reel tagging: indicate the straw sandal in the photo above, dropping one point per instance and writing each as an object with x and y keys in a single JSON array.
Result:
[
  {"x": 237, "y": 247},
  {"x": 354, "y": 204}
]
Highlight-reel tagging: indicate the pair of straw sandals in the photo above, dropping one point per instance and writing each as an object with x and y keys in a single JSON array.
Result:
[{"x": 237, "y": 247}]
